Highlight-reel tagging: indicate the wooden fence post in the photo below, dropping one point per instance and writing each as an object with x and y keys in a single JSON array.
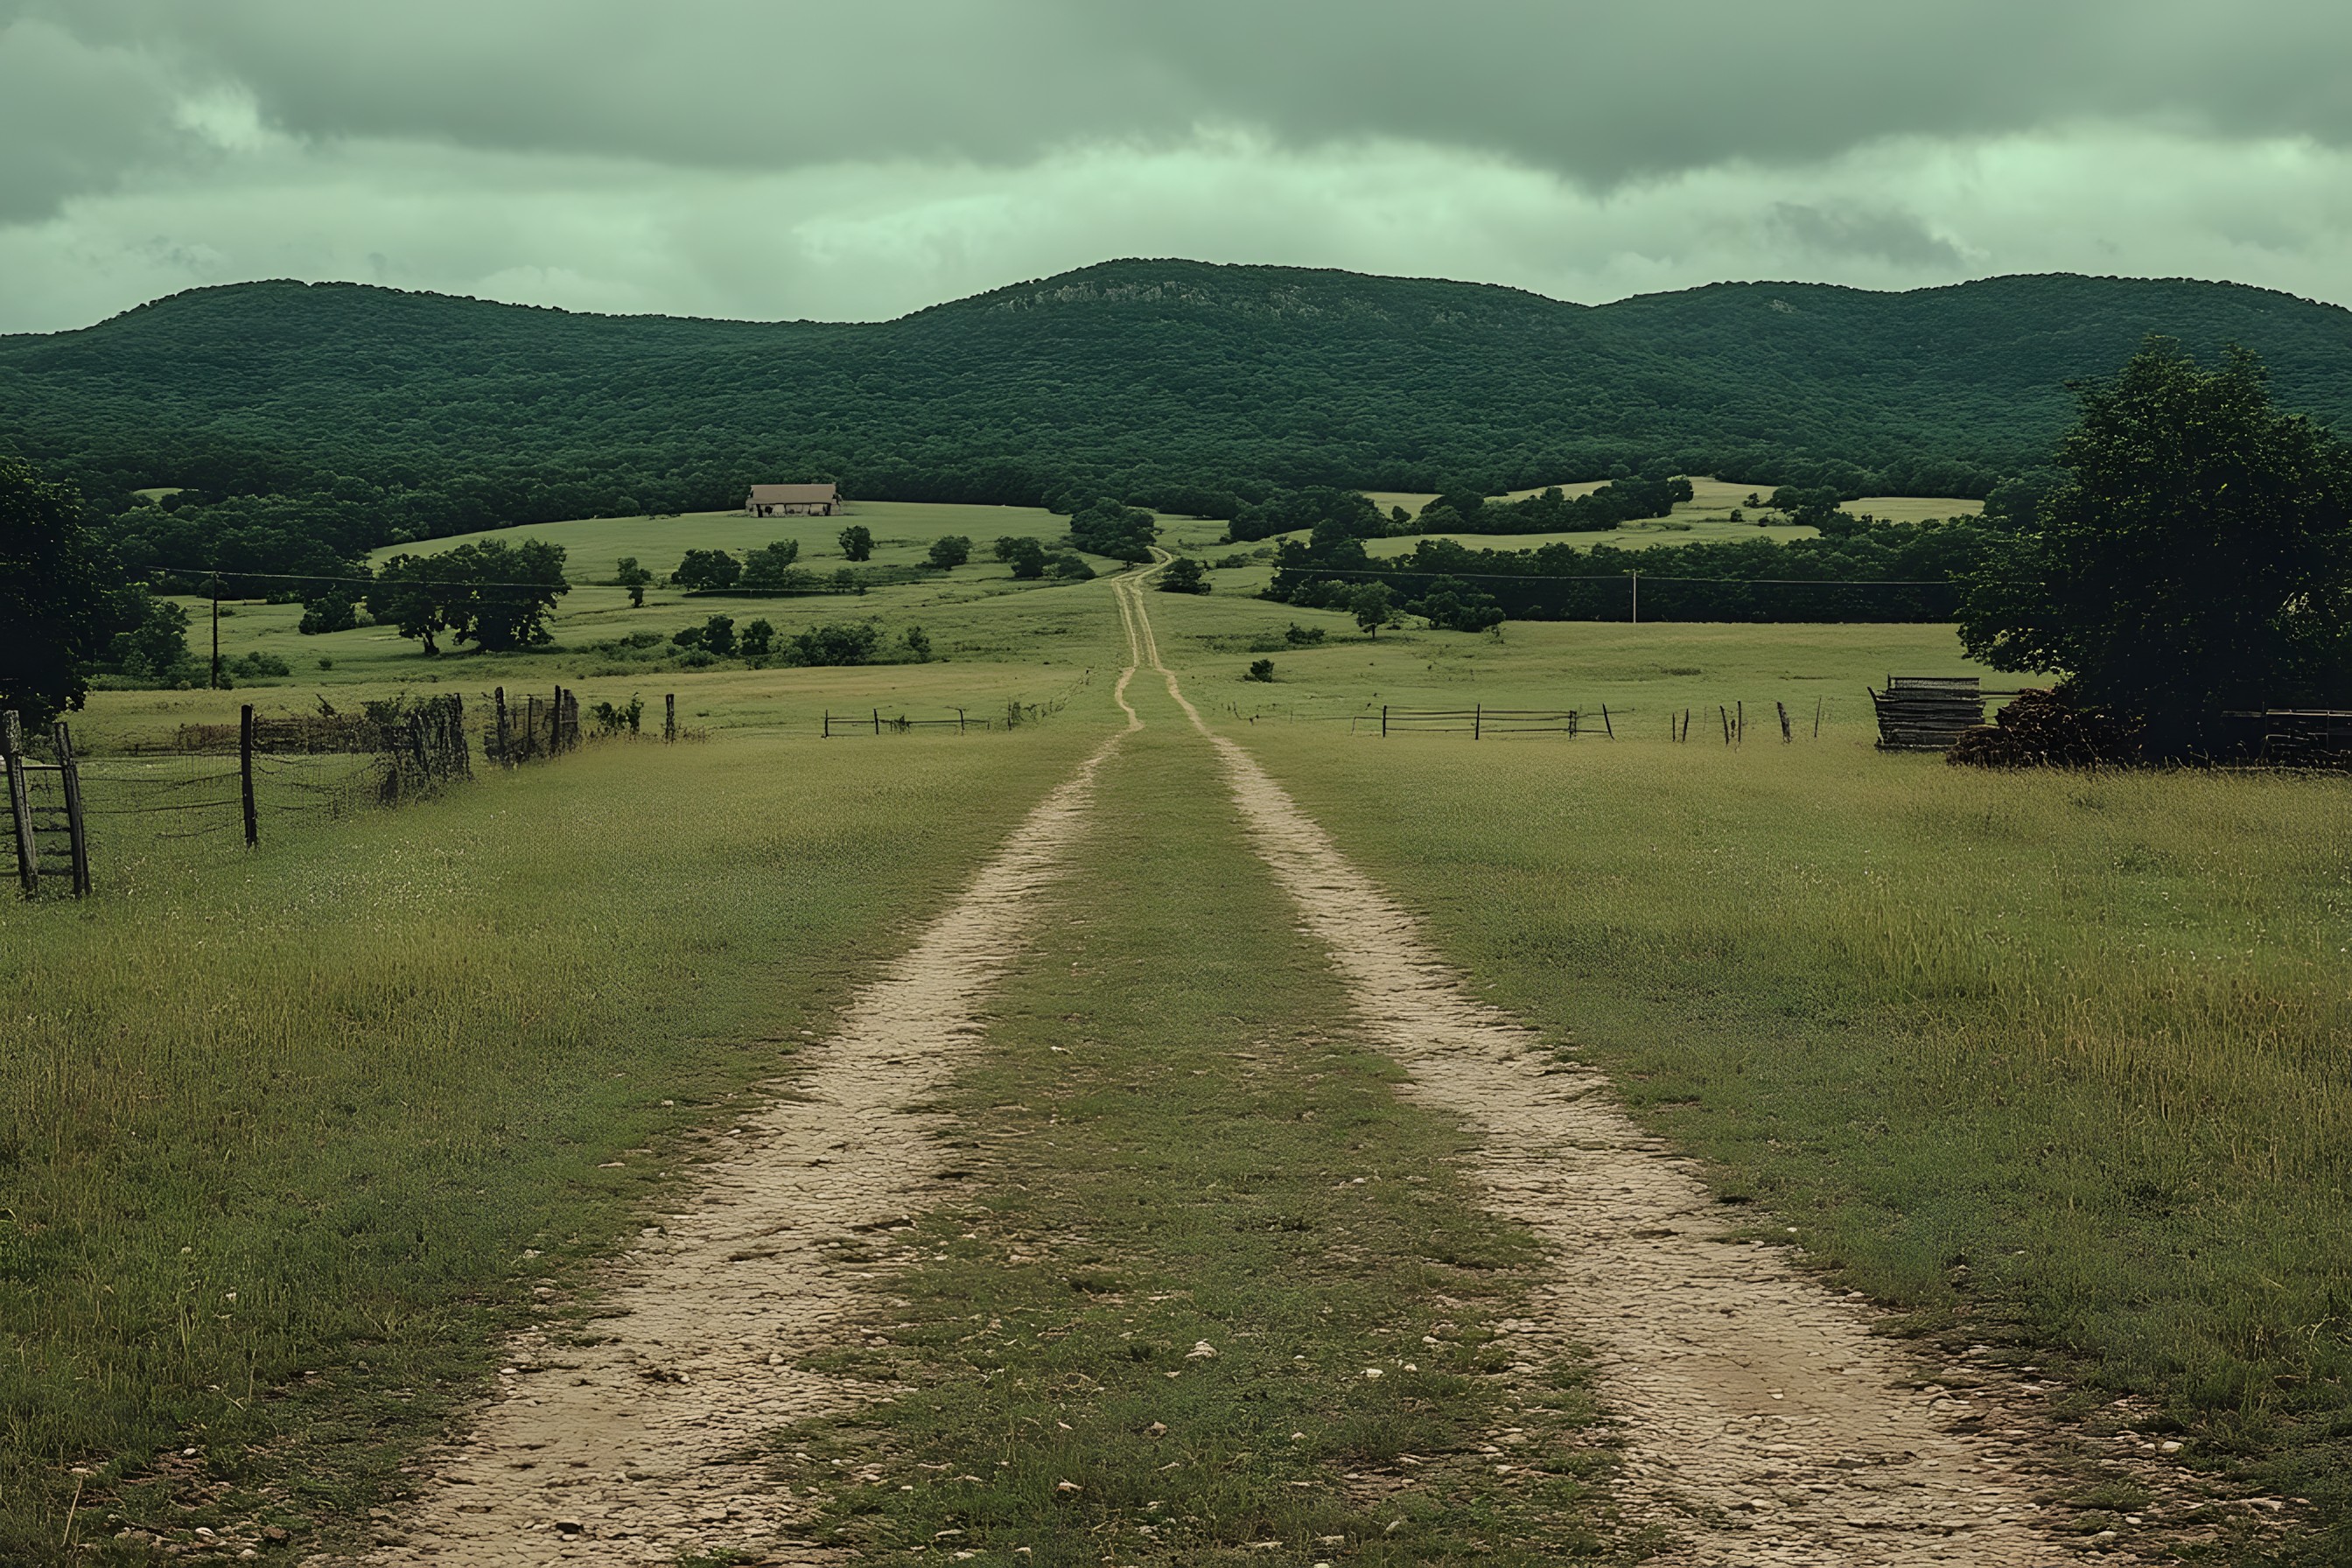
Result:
[
  {"x": 959, "y": 720},
  {"x": 1384, "y": 721},
  {"x": 1605, "y": 724},
  {"x": 669, "y": 716},
  {"x": 1817, "y": 718},
  {"x": 1477, "y": 719},
  {"x": 1724, "y": 714},
  {"x": 1785, "y": 736},
  {"x": 500, "y": 696},
  {"x": 1740, "y": 724},
  {"x": 77, "y": 826},
  {"x": 20, "y": 803},
  {"x": 244, "y": 773},
  {"x": 878, "y": 721}
]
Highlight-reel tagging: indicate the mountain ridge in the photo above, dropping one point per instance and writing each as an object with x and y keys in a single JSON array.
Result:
[{"x": 1170, "y": 382}]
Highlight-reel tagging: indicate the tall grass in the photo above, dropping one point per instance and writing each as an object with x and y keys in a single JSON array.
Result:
[
  {"x": 288, "y": 1138},
  {"x": 2060, "y": 1058}
]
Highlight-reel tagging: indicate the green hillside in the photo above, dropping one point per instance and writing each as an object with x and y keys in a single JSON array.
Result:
[{"x": 335, "y": 417}]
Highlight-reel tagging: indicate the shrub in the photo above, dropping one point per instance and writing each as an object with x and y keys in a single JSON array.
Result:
[
  {"x": 1184, "y": 576},
  {"x": 771, "y": 565},
  {"x": 1299, "y": 636},
  {"x": 1260, "y": 669},
  {"x": 612, "y": 720},
  {"x": 718, "y": 635},
  {"x": 1025, "y": 555},
  {"x": 759, "y": 639},
  {"x": 857, "y": 542},
  {"x": 919, "y": 644},
  {"x": 950, "y": 551},
  {"x": 706, "y": 569},
  {"x": 258, "y": 667},
  {"x": 855, "y": 644},
  {"x": 1071, "y": 567}
]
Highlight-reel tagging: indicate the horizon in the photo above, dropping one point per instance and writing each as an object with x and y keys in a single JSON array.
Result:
[{"x": 1157, "y": 260}]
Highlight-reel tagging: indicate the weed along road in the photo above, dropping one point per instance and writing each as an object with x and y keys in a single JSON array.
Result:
[{"x": 1168, "y": 1201}]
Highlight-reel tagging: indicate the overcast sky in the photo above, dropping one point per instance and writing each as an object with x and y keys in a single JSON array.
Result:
[{"x": 766, "y": 158}]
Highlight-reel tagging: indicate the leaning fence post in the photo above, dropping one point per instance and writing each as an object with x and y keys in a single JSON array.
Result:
[
  {"x": 1605, "y": 724},
  {"x": 878, "y": 721},
  {"x": 20, "y": 803},
  {"x": 77, "y": 827},
  {"x": 1724, "y": 714},
  {"x": 1785, "y": 736},
  {"x": 244, "y": 773}
]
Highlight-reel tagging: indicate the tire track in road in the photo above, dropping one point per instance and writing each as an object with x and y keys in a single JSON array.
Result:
[
  {"x": 641, "y": 1442},
  {"x": 1765, "y": 1424}
]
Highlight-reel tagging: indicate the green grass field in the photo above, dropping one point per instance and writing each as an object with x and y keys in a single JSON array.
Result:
[{"x": 2055, "y": 1064}]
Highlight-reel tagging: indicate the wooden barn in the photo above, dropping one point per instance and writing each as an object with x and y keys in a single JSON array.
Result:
[{"x": 792, "y": 500}]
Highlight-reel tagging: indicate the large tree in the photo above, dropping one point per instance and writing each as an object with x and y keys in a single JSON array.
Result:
[
  {"x": 2194, "y": 559},
  {"x": 58, "y": 585},
  {"x": 495, "y": 596}
]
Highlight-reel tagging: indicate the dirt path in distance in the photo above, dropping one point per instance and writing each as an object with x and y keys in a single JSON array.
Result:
[
  {"x": 643, "y": 1448},
  {"x": 1765, "y": 1425}
]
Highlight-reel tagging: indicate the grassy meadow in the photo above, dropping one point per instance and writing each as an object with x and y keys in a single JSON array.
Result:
[
  {"x": 2057, "y": 1061},
  {"x": 291, "y": 1139}
]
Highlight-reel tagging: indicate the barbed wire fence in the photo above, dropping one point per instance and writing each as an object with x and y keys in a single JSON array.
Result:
[{"x": 224, "y": 781}]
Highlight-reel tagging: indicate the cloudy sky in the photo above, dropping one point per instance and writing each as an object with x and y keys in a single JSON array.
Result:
[{"x": 769, "y": 158}]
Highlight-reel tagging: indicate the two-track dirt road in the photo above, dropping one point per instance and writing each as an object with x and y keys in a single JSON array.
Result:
[{"x": 1763, "y": 1422}]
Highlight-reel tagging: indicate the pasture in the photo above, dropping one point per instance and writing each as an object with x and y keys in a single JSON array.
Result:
[{"x": 2053, "y": 1066}]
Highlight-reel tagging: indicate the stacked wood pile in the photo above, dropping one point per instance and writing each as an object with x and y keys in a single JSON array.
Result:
[
  {"x": 2294, "y": 737},
  {"x": 1927, "y": 712},
  {"x": 2045, "y": 729}
]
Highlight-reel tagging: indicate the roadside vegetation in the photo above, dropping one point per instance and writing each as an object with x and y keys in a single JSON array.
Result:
[
  {"x": 291, "y": 1140},
  {"x": 2056, "y": 1063}
]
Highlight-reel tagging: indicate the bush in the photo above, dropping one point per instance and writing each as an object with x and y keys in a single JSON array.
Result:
[
  {"x": 718, "y": 635},
  {"x": 857, "y": 542},
  {"x": 1025, "y": 555},
  {"x": 837, "y": 645},
  {"x": 1071, "y": 567},
  {"x": 759, "y": 639},
  {"x": 336, "y": 610},
  {"x": 706, "y": 569},
  {"x": 1260, "y": 669},
  {"x": 950, "y": 551},
  {"x": 919, "y": 645},
  {"x": 1299, "y": 636},
  {"x": 1184, "y": 576},
  {"x": 771, "y": 565},
  {"x": 612, "y": 720},
  {"x": 258, "y": 667}
]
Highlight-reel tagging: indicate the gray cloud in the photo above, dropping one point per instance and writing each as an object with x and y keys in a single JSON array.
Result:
[
  {"x": 1597, "y": 93},
  {"x": 751, "y": 157},
  {"x": 1894, "y": 236}
]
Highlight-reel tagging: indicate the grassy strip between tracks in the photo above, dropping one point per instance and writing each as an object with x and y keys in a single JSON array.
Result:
[
  {"x": 1208, "y": 1291},
  {"x": 289, "y": 1139},
  {"x": 2057, "y": 1063}
]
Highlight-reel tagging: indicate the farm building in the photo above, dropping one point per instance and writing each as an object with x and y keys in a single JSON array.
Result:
[{"x": 792, "y": 500}]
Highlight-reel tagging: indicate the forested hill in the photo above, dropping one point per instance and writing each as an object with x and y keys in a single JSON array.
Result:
[{"x": 1167, "y": 382}]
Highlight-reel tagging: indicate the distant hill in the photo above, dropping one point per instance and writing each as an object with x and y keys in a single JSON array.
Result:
[{"x": 1170, "y": 382}]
